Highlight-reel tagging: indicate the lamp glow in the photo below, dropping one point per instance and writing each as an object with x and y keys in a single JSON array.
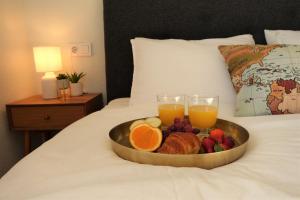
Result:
[{"x": 48, "y": 60}]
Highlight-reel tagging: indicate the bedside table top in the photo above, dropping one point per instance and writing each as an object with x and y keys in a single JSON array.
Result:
[{"x": 38, "y": 100}]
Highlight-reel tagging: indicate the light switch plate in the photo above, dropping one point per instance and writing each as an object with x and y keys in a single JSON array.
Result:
[{"x": 81, "y": 49}]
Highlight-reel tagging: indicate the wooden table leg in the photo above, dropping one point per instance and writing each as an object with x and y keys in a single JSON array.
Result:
[{"x": 26, "y": 143}]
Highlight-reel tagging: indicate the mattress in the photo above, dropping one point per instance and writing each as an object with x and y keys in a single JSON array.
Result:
[{"x": 78, "y": 163}]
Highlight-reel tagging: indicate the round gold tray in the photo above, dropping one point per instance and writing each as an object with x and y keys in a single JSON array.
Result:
[{"x": 121, "y": 146}]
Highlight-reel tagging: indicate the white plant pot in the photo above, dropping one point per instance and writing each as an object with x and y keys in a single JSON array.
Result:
[{"x": 76, "y": 89}]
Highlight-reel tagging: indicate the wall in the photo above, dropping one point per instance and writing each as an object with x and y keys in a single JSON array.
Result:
[
  {"x": 27, "y": 23},
  {"x": 18, "y": 76},
  {"x": 63, "y": 22}
]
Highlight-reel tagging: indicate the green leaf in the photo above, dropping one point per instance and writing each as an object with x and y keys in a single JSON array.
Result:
[
  {"x": 218, "y": 148},
  {"x": 61, "y": 76},
  {"x": 75, "y": 77}
]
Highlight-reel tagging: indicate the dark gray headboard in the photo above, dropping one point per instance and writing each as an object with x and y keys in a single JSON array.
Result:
[{"x": 185, "y": 19}]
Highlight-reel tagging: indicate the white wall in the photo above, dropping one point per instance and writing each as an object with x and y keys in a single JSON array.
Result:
[
  {"x": 62, "y": 22},
  {"x": 18, "y": 76}
]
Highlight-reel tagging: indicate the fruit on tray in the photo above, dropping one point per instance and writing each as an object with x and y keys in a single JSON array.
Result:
[
  {"x": 145, "y": 137},
  {"x": 136, "y": 123},
  {"x": 180, "y": 126},
  {"x": 228, "y": 141},
  {"x": 217, "y": 141},
  {"x": 208, "y": 145},
  {"x": 178, "y": 138},
  {"x": 180, "y": 143},
  {"x": 217, "y": 134},
  {"x": 152, "y": 121}
]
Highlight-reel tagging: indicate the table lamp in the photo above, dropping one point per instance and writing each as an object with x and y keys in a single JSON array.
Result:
[{"x": 48, "y": 60}]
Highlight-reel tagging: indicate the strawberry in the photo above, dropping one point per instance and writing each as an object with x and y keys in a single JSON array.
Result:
[
  {"x": 208, "y": 145},
  {"x": 224, "y": 146},
  {"x": 228, "y": 141},
  {"x": 217, "y": 135}
]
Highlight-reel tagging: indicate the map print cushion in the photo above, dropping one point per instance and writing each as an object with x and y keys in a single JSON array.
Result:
[{"x": 266, "y": 78}]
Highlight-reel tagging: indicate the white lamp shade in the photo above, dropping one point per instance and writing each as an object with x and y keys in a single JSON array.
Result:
[{"x": 47, "y": 59}]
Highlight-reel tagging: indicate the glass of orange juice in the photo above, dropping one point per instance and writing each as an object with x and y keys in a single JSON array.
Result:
[
  {"x": 203, "y": 111},
  {"x": 170, "y": 107}
]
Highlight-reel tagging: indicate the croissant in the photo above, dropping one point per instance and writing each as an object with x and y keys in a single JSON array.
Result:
[{"x": 180, "y": 143}]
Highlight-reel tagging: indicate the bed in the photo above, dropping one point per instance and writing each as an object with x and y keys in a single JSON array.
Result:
[{"x": 78, "y": 163}]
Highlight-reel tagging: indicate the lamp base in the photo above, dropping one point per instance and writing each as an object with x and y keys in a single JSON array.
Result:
[{"x": 49, "y": 86}]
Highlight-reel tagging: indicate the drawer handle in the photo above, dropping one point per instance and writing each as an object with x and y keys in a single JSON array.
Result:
[{"x": 47, "y": 117}]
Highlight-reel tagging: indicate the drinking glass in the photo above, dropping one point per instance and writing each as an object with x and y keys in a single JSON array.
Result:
[
  {"x": 203, "y": 111},
  {"x": 170, "y": 107}
]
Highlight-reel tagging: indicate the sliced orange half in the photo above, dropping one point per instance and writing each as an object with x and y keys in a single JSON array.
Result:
[{"x": 144, "y": 137}]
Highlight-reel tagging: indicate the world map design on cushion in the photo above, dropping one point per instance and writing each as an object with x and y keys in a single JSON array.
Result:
[{"x": 266, "y": 78}]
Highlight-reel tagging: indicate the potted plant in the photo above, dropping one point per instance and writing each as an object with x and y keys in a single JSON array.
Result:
[
  {"x": 62, "y": 81},
  {"x": 75, "y": 85}
]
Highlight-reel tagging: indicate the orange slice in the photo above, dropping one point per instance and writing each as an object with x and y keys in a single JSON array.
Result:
[{"x": 144, "y": 137}]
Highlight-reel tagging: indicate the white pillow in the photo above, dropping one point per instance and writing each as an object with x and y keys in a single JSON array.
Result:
[
  {"x": 282, "y": 37},
  {"x": 181, "y": 67}
]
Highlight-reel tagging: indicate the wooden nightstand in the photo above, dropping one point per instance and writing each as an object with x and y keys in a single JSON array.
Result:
[{"x": 37, "y": 114}]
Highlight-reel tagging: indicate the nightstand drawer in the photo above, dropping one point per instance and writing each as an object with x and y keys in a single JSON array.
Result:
[{"x": 45, "y": 117}]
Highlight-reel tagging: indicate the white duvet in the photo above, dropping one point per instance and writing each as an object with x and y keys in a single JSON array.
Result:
[{"x": 79, "y": 164}]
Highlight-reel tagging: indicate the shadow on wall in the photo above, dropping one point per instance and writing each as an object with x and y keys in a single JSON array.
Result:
[{"x": 11, "y": 145}]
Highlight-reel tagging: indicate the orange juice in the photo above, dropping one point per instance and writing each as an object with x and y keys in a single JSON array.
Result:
[
  {"x": 167, "y": 113},
  {"x": 203, "y": 116}
]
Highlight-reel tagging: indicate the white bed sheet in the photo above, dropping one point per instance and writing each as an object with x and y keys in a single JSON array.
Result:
[{"x": 78, "y": 163}]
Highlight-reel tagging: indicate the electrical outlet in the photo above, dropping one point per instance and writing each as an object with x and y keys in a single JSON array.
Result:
[{"x": 81, "y": 49}]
